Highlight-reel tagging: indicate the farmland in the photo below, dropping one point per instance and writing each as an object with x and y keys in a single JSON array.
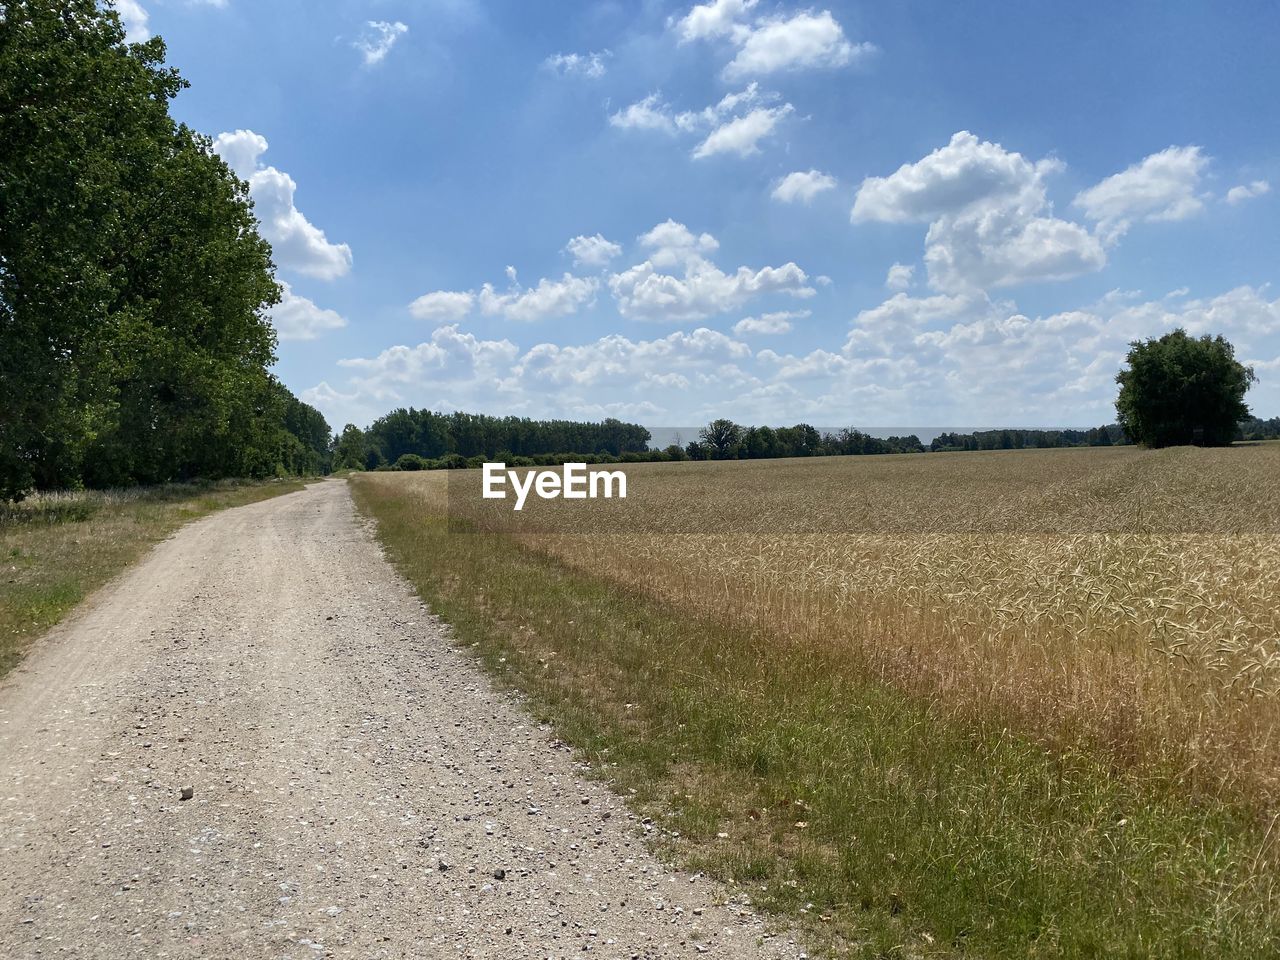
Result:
[{"x": 1010, "y": 702}]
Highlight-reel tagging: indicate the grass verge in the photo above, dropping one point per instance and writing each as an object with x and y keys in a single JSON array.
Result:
[
  {"x": 851, "y": 809},
  {"x": 56, "y": 549}
]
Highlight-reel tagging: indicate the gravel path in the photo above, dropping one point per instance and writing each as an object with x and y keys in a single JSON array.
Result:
[{"x": 360, "y": 789}]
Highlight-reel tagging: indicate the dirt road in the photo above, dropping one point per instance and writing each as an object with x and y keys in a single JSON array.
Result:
[{"x": 360, "y": 790}]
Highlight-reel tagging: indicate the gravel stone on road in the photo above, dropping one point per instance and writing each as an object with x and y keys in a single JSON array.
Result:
[{"x": 258, "y": 743}]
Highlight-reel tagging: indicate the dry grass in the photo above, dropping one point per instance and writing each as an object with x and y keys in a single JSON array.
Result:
[
  {"x": 57, "y": 548},
  {"x": 1117, "y": 600}
]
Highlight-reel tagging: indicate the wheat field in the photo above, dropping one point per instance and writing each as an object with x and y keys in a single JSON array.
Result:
[{"x": 1117, "y": 601}]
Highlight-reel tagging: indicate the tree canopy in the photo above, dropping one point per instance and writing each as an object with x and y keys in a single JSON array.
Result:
[
  {"x": 134, "y": 286},
  {"x": 1180, "y": 390}
]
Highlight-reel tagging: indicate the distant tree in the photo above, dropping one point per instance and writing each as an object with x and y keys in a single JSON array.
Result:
[
  {"x": 676, "y": 452},
  {"x": 350, "y": 449},
  {"x": 1183, "y": 390},
  {"x": 721, "y": 438}
]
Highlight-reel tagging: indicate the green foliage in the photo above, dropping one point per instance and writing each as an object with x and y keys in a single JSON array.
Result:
[
  {"x": 1022, "y": 439},
  {"x": 1256, "y": 429},
  {"x": 410, "y": 461},
  {"x": 433, "y": 436},
  {"x": 726, "y": 440},
  {"x": 134, "y": 341},
  {"x": 1183, "y": 390}
]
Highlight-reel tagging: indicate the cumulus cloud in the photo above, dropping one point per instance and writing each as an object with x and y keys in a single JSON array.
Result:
[
  {"x": 742, "y": 134},
  {"x": 378, "y": 38},
  {"x": 905, "y": 360},
  {"x": 588, "y": 65},
  {"x": 991, "y": 224},
  {"x": 803, "y": 41},
  {"x": 771, "y": 44},
  {"x": 701, "y": 289},
  {"x": 769, "y": 324},
  {"x": 802, "y": 186},
  {"x": 1247, "y": 191},
  {"x": 593, "y": 251},
  {"x": 297, "y": 318},
  {"x": 618, "y": 359},
  {"x": 296, "y": 243},
  {"x": 133, "y": 17},
  {"x": 676, "y": 281},
  {"x": 1161, "y": 187},
  {"x": 443, "y": 305},
  {"x": 550, "y": 298},
  {"x": 899, "y": 276},
  {"x": 734, "y": 124},
  {"x": 716, "y": 19},
  {"x": 670, "y": 243},
  {"x": 450, "y": 354},
  {"x": 651, "y": 113}
]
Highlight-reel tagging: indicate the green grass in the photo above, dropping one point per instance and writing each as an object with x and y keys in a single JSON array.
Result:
[
  {"x": 837, "y": 803},
  {"x": 56, "y": 549}
]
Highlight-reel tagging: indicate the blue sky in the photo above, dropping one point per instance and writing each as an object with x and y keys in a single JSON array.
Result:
[{"x": 869, "y": 214}]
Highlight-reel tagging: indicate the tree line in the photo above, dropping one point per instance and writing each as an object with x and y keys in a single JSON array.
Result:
[
  {"x": 1109, "y": 435},
  {"x": 452, "y": 439},
  {"x": 725, "y": 440},
  {"x": 135, "y": 343}
]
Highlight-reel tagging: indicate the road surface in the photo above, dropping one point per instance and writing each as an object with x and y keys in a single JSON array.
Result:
[{"x": 359, "y": 789}]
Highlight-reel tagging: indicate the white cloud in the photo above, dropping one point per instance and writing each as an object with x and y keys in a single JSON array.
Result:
[
  {"x": 736, "y": 123},
  {"x": 550, "y": 298},
  {"x": 769, "y": 324},
  {"x": 619, "y": 360},
  {"x": 450, "y": 355},
  {"x": 589, "y": 65},
  {"x": 133, "y": 16},
  {"x": 803, "y": 41},
  {"x": 949, "y": 180},
  {"x": 296, "y": 243},
  {"x": 1247, "y": 191},
  {"x": 378, "y": 38},
  {"x": 899, "y": 276},
  {"x": 647, "y": 114},
  {"x": 672, "y": 243},
  {"x": 240, "y": 151},
  {"x": 991, "y": 221},
  {"x": 443, "y": 305},
  {"x": 802, "y": 186},
  {"x": 964, "y": 357},
  {"x": 297, "y": 318},
  {"x": 742, "y": 134},
  {"x": 593, "y": 251},
  {"x": 1161, "y": 187},
  {"x": 729, "y": 105},
  {"x": 715, "y": 19},
  {"x": 702, "y": 290}
]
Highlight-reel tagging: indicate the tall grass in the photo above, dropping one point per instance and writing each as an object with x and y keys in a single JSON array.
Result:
[
  {"x": 57, "y": 548},
  {"x": 919, "y": 735}
]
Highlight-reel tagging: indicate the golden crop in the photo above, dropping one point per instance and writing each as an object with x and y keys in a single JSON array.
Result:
[{"x": 1116, "y": 599}]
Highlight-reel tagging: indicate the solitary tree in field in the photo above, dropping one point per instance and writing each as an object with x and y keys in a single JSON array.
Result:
[{"x": 1183, "y": 390}]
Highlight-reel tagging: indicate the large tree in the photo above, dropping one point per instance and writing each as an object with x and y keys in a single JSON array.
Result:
[
  {"x": 134, "y": 340},
  {"x": 1183, "y": 390}
]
